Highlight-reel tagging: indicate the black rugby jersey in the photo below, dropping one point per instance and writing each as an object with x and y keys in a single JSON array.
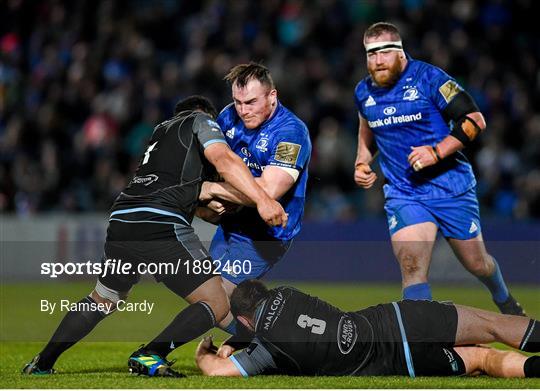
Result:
[
  {"x": 303, "y": 335},
  {"x": 167, "y": 182}
]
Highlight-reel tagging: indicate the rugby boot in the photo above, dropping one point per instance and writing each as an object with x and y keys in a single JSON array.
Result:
[
  {"x": 32, "y": 368},
  {"x": 148, "y": 363},
  {"x": 511, "y": 307}
]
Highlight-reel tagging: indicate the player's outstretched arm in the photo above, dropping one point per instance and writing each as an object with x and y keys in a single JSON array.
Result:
[
  {"x": 363, "y": 174},
  {"x": 212, "y": 365},
  {"x": 236, "y": 173}
]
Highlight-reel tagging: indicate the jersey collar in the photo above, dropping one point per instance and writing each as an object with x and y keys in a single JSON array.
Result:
[{"x": 258, "y": 312}]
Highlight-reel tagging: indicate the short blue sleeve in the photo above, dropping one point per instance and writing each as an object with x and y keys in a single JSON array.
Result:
[{"x": 443, "y": 88}]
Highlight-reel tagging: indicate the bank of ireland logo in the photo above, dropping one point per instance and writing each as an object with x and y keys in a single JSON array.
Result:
[
  {"x": 389, "y": 110},
  {"x": 411, "y": 94},
  {"x": 245, "y": 152}
]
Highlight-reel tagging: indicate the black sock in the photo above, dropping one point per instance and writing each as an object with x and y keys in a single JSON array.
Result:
[
  {"x": 532, "y": 367},
  {"x": 189, "y": 324},
  {"x": 531, "y": 340},
  {"x": 75, "y": 326}
]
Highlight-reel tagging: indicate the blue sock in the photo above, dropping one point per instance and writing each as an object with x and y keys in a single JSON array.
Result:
[
  {"x": 496, "y": 285},
  {"x": 231, "y": 327},
  {"x": 420, "y": 291}
]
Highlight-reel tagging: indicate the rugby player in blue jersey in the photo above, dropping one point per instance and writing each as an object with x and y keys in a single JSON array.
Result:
[
  {"x": 419, "y": 119},
  {"x": 275, "y": 145}
]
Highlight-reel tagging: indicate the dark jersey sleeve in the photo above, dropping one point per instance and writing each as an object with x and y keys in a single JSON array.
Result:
[
  {"x": 254, "y": 360},
  {"x": 207, "y": 131}
]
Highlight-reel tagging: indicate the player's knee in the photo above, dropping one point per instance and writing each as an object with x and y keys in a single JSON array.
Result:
[
  {"x": 220, "y": 307},
  {"x": 480, "y": 266},
  {"x": 107, "y": 296},
  {"x": 102, "y": 300}
]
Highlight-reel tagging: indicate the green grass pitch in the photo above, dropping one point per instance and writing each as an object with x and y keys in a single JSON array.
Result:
[{"x": 100, "y": 361}]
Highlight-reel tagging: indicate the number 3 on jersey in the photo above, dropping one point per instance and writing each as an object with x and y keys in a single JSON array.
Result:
[
  {"x": 147, "y": 153},
  {"x": 317, "y": 325}
]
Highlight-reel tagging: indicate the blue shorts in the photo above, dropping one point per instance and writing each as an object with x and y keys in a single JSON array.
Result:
[
  {"x": 457, "y": 217},
  {"x": 239, "y": 258}
]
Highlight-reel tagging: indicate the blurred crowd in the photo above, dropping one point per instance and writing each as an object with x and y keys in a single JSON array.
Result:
[{"x": 82, "y": 83}]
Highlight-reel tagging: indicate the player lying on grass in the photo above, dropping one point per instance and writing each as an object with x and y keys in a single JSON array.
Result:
[{"x": 298, "y": 334}]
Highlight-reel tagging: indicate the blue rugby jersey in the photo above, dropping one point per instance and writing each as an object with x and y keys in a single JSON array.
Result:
[
  {"x": 409, "y": 114},
  {"x": 283, "y": 141}
]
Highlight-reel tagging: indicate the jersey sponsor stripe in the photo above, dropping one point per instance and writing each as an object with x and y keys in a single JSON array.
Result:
[
  {"x": 407, "y": 351},
  {"x": 142, "y": 221},
  {"x": 146, "y": 209}
]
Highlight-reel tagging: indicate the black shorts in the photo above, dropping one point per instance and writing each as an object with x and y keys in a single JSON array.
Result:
[
  {"x": 167, "y": 252},
  {"x": 429, "y": 328}
]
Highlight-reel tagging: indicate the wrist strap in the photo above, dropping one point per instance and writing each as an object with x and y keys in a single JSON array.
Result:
[{"x": 436, "y": 153}]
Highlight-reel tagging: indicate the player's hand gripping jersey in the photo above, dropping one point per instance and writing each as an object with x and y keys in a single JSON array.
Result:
[
  {"x": 282, "y": 141},
  {"x": 409, "y": 114},
  {"x": 167, "y": 183}
]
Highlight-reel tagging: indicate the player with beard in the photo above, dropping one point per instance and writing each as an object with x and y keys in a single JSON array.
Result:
[{"x": 419, "y": 118}]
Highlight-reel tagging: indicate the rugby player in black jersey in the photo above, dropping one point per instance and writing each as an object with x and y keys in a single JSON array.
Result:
[
  {"x": 298, "y": 334},
  {"x": 150, "y": 222}
]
